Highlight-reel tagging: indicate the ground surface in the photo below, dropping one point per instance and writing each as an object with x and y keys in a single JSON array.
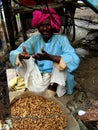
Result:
[{"x": 87, "y": 73}]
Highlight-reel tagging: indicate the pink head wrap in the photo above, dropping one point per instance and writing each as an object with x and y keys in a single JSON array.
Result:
[{"x": 40, "y": 15}]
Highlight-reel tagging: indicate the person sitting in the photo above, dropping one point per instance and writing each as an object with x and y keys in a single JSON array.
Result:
[{"x": 47, "y": 59}]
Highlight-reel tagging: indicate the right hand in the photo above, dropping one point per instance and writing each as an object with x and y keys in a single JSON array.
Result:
[{"x": 24, "y": 54}]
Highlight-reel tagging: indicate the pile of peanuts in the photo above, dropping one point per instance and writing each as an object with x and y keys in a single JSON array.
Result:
[{"x": 37, "y": 113}]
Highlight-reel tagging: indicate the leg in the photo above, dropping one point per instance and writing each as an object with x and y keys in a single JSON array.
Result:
[
  {"x": 53, "y": 87},
  {"x": 57, "y": 83}
]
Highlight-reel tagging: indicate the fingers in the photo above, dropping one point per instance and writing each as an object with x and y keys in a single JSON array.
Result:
[
  {"x": 36, "y": 56},
  {"x": 24, "y": 48},
  {"x": 24, "y": 54},
  {"x": 42, "y": 50}
]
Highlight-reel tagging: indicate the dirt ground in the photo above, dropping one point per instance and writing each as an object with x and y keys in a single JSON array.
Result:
[{"x": 87, "y": 76}]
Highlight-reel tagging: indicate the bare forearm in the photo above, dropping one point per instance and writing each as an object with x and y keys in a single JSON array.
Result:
[
  {"x": 54, "y": 58},
  {"x": 46, "y": 56}
]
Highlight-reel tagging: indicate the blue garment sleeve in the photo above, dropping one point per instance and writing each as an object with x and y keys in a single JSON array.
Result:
[
  {"x": 69, "y": 55},
  {"x": 72, "y": 61},
  {"x": 29, "y": 48}
]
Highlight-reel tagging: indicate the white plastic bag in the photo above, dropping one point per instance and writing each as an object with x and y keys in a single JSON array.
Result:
[{"x": 32, "y": 76}]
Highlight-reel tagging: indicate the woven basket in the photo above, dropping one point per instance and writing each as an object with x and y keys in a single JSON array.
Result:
[{"x": 71, "y": 122}]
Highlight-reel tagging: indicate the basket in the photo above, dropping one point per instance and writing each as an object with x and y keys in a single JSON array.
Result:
[{"x": 71, "y": 122}]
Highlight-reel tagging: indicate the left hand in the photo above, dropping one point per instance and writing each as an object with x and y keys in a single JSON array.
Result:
[{"x": 41, "y": 56}]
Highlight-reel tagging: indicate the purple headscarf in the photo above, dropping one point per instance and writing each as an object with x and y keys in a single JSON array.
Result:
[{"x": 40, "y": 15}]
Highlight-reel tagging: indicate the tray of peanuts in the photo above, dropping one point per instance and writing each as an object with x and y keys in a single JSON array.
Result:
[{"x": 30, "y": 111}]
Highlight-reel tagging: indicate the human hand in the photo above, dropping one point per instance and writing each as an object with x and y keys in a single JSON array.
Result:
[
  {"x": 24, "y": 54},
  {"x": 41, "y": 56}
]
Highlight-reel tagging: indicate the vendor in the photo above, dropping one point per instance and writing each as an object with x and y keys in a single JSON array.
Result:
[{"x": 47, "y": 59}]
